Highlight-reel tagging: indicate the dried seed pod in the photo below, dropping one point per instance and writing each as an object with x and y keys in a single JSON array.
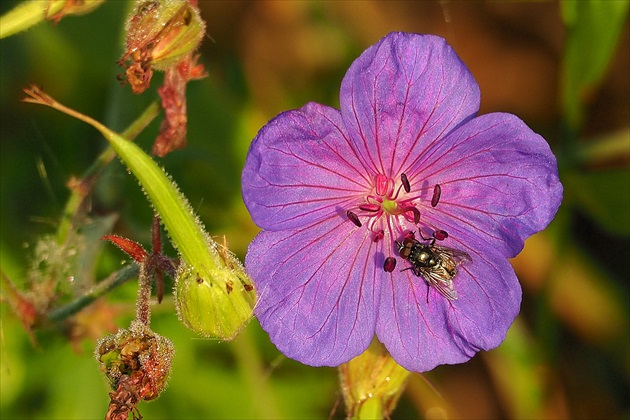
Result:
[{"x": 137, "y": 363}]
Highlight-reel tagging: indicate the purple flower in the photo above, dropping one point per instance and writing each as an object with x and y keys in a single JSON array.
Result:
[{"x": 338, "y": 192}]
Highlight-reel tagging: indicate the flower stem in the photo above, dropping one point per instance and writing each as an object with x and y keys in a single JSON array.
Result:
[
  {"x": 143, "y": 304},
  {"x": 114, "y": 280},
  {"x": 370, "y": 409},
  {"x": 80, "y": 189},
  {"x": 31, "y": 12},
  {"x": 25, "y": 15},
  {"x": 372, "y": 383},
  {"x": 251, "y": 368}
]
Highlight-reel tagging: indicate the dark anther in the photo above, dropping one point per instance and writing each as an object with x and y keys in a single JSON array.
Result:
[
  {"x": 405, "y": 182},
  {"x": 416, "y": 215},
  {"x": 437, "y": 192},
  {"x": 379, "y": 235},
  {"x": 440, "y": 235},
  {"x": 390, "y": 264},
  {"x": 354, "y": 218}
]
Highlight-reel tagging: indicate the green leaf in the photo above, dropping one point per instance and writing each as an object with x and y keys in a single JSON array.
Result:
[
  {"x": 604, "y": 196},
  {"x": 593, "y": 29}
]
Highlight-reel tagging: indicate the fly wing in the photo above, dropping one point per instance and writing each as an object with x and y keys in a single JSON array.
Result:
[
  {"x": 441, "y": 277},
  {"x": 456, "y": 256},
  {"x": 442, "y": 283}
]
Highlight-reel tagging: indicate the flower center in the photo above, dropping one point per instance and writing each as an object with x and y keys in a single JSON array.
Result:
[
  {"x": 391, "y": 207},
  {"x": 387, "y": 206}
]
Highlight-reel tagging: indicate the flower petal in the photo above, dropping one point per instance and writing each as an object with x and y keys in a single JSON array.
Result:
[
  {"x": 300, "y": 169},
  {"x": 421, "y": 335},
  {"x": 317, "y": 290},
  {"x": 499, "y": 180},
  {"x": 401, "y": 95}
]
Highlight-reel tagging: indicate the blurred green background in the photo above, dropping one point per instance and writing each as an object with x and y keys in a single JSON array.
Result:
[{"x": 561, "y": 66}]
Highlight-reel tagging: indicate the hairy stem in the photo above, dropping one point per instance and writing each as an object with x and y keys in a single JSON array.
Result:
[
  {"x": 114, "y": 280},
  {"x": 80, "y": 188}
]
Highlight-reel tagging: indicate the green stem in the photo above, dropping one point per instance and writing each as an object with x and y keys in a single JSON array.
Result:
[
  {"x": 116, "y": 279},
  {"x": 143, "y": 304},
  {"x": 30, "y": 13},
  {"x": 215, "y": 297},
  {"x": 81, "y": 188},
  {"x": 252, "y": 371},
  {"x": 372, "y": 409},
  {"x": 25, "y": 15}
]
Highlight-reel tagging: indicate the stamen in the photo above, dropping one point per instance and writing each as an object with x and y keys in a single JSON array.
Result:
[
  {"x": 373, "y": 208},
  {"x": 405, "y": 182},
  {"x": 406, "y": 209},
  {"x": 390, "y": 264},
  {"x": 440, "y": 234},
  {"x": 384, "y": 185},
  {"x": 437, "y": 192},
  {"x": 354, "y": 218},
  {"x": 378, "y": 235}
]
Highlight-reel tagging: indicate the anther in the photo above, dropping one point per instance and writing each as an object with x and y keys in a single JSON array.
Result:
[
  {"x": 405, "y": 182},
  {"x": 390, "y": 264},
  {"x": 384, "y": 186},
  {"x": 437, "y": 192},
  {"x": 353, "y": 218},
  {"x": 372, "y": 208},
  {"x": 440, "y": 234}
]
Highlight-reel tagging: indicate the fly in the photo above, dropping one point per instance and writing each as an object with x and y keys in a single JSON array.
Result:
[{"x": 437, "y": 265}]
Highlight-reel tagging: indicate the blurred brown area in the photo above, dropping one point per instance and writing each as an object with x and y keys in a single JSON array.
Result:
[
  {"x": 289, "y": 49},
  {"x": 512, "y": 48}
]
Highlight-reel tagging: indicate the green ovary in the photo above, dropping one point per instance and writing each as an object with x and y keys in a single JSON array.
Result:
[{"x": 389, "y": 206}]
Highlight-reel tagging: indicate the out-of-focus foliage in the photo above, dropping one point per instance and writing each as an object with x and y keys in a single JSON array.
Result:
[
  {"x": 566, "y": 356},
  {"x": 593, "y": 28}
]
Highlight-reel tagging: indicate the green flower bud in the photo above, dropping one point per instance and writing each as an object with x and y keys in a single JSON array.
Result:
[
  {"x": 198, "y": 289},
  {"x": 160, "y": 33},
  {"x": 371, "y": 383}
]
